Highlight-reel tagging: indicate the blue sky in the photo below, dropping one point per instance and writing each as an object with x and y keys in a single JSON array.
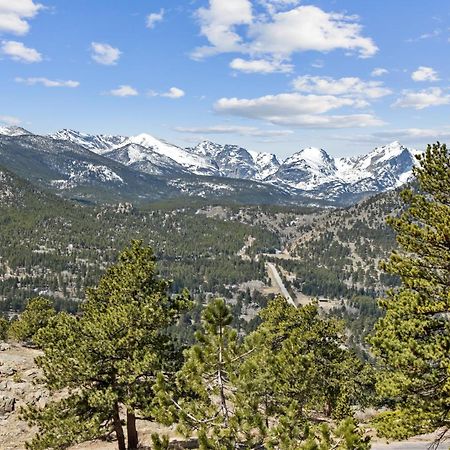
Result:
[{"x": 270, "y": 75}]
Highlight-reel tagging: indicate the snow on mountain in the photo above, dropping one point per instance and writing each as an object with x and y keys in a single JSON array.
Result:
[
  {"x": 81, "y": 173},
  {"x": 390, "y": 164},
  {"x": 306, "y": 169},
  {"x": 236, "y": 162},
  {"x": 13, "y": 131},
  {"x": 99, "y": 143},
  {"x": 194, "y": 163},
  {"x": 145, "y": 160},
  {"x": 315, "y": 172},
  {"x": 310, "y": 171},
  {"x": 266, "y": 163}
]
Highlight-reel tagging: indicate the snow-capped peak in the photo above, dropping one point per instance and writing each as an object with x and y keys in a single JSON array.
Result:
[
  {"x": 314, "y": 158},
  {"x": 100, "y": 143},
  {"x": 194, "y": 163},
  {"x": 383, "y": 154},
  {"x": 266, "y": 163},
  {"x": 13, "y": 131}
]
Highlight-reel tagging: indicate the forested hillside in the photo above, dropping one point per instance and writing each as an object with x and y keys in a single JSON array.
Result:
[{"x": 57, "y": 248}]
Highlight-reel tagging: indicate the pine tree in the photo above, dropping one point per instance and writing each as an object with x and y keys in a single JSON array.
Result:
[
  {"x": 412, "y": 341},
  {"x": 299, "y": 370},
  {"x": 106, "y": 362},
  {"x": 202, "y": 398},
  {"x": 4, "y": 328},
  {"x": 36, "y": 315}
]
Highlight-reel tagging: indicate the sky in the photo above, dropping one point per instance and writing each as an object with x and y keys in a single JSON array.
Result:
[{"x": 269, "y": 75}]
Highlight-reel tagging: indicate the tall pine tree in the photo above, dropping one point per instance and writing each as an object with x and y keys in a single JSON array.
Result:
[
  {"x": 412, "y": 341},
  {"x": 202, "y": 398},
  {"x": 106, "y": 362}
]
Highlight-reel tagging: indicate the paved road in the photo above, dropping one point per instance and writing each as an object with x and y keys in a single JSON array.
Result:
[{"x": 282, "y": 288}]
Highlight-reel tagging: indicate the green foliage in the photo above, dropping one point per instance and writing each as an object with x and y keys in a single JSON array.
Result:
[
  {"x": 346, "y": 436},
  {"x": 412, "y": 341},
  {"x": 38, "y": 313},
  {"x": 270, "y": 389},
  {"x": 4, "y": 328},
  {"x": 107, "y": 359},
  {"x": 58, "y": 248},
  {"x": 301, "y": 360},
  {"x": 202, "y": 398},
  {"x": 160, "y": 442}
]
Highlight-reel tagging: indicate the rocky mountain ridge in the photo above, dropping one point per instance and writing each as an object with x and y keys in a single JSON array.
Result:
[{"x": 311, "y": 172}]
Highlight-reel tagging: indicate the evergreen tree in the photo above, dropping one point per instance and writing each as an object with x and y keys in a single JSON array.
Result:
[
  {"x": 36, "y": 315},
  {"x": 4, "y": 328},
  {"x": 268, "y": 391},
  {"x": 300, "y": 369},
  {"x": 203, "y": 398},
  {"x": 107, "y": 360},
  {"x": 412, "y": 341}
]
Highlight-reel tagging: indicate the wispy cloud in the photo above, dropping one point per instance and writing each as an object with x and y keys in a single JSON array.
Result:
[
  {"x": 154, "y": 18},
  {"x": 173, "y": 93},
  {"x": 295, "y": 109},
  {"x": 410, "y": 135},
  {"x": 260, "y": 66},
  {"x": 424, "y": 73},
  {"x": 47, "y": 82},
  {"x": 422, "y": 99},
  {"x": 429, "y": 35},
  {"x": 347, "y": 86},
  {"x": 234, "y": 129},
  {"x": 379, "y": 72},
  {"x": 124, "y": 90},
  {"x": 10, "y": 120},
  {"x": 18, "y": 52}
]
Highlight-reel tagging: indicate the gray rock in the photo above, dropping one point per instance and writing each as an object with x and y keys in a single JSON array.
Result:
[
  {"x": 4, "y": 346},
  {"x": 7, "y": 405}
]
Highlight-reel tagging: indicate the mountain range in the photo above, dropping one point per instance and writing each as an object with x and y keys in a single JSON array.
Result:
[{"x": 143, "y": 167}]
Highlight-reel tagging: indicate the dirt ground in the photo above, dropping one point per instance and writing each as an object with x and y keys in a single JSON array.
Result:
[{"x": 17, "y": 388}]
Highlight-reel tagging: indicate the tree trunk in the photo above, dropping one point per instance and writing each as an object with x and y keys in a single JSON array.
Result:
[
  {"x": 132, "y": 434},
  {"x": 118, "y": 429}
]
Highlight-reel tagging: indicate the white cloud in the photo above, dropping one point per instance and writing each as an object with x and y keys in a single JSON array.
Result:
[
  {"x": 273, "y": 6},
  {"x": 308, "y": 28},
  {"x": 379, "y": 72},
  {"x": 231, "y": 27},
  {"x": 218, "y": 24},
  {"x": 14, "y": 15},
  {"x": 348, "y": 86},
  {"x": 47, "y": 82},
  {"x": 10, "y": 120},
  {"x": 424, "y": 73},
  {"x": 422, "y": 99},
  {"x": 234, "y": 129},
  {"x": 260, "y": 66},
  {"x": 173, "y": 92},
  {"x": 105, "y": 53},
  {"x": 154, "y": 18},
  {"x": 124, "y": 91},
  {"x": 294, "y": 109},
  {"x": 18, "y": 52}
]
